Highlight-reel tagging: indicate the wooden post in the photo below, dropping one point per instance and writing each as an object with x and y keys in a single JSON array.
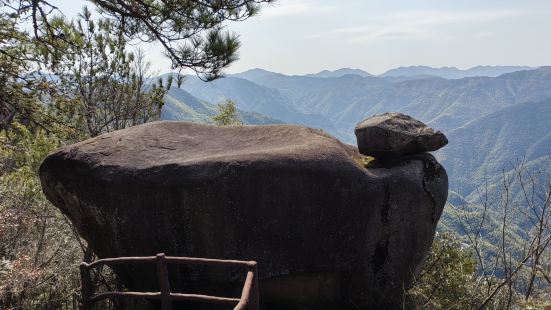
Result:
[
  {"x": 86, "y": 283},
  {"x": 254, "y": 301},
  {"x": 162, "y": 274}
]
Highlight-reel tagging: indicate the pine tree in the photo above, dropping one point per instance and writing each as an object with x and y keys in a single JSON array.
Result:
[
  {"x": 192, "y": 32},
  {"x": 227, "y": 114}
]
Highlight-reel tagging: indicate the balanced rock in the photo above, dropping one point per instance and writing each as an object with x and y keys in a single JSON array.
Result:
[
  {"x": 325, "y": 230},
  {"x": 392, "y": 135}
]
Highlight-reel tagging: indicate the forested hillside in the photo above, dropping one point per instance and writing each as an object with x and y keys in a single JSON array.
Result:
[
  {"x": 181, "y": 105},
  {"x": 485, "y": 147}
]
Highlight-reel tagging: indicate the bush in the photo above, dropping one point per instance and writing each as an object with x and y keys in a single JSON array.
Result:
[
  {"x": 446, "y": 281},
  {"x": 39, "y": 253}
]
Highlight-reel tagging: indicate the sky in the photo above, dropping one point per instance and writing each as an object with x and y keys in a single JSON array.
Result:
[{"x": 307, "y": 36}]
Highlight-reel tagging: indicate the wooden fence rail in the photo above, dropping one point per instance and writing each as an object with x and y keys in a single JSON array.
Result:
[{"x": 249, "y": 296}]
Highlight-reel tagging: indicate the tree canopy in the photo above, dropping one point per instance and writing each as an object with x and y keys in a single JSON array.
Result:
[
  {"x": 191, "y": 31},
  {"x": 227, "y": 114}
]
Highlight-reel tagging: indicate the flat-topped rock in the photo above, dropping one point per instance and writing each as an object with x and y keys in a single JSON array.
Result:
[
  {"x": 391, "y": 135},
  {"x": 325, "y": 231}
]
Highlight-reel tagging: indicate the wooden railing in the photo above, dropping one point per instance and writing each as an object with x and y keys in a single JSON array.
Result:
[{"x": 249, "y": 296}]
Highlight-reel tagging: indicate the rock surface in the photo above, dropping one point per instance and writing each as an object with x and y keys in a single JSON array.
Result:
[
  {"x": 391, "y": 135},
  {"x": 326, "y": 231}
]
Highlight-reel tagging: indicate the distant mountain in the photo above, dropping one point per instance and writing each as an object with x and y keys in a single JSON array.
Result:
[
  {"x": 453, "y": 72},
  {"x": 489, "y": 150},
  {"x": 494, "y": 71},
  {"x": 445, "y": 104},
  {"x": 254, "y": 74},
  {"x": 486, "y": 146},
  {"x": 250, "y": 96},
  {"x": 339, "y": 73},
  {"x": 181, "y": 105}
]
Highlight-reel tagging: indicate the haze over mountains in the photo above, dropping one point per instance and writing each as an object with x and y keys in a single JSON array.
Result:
[
  {"x": 339, "y": 73},
  {"x": 490, "y": 120},
  {"x": 453, "y": 72}
]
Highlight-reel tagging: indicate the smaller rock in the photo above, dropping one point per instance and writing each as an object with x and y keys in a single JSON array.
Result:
[{"x": 392, "y": 135}]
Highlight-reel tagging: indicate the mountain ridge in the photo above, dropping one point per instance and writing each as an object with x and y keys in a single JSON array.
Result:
[
  {"x": 339, "y": 73},
  {"x": 447, "y": 72},
  {"x": 453, "y": 72}
]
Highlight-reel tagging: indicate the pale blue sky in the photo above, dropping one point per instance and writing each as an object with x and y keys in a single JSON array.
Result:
[{"x": 305, "y": 36}]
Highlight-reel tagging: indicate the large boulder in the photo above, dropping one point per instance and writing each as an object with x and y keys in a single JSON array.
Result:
[
  {"x": 326, "y": 231},
  {"x": 391, "y": 135}
]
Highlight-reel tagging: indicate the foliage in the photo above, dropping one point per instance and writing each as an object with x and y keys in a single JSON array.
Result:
[
  {"x": 447, "y": 280},
  {"x": 39, "y": 253},
  {"x": 101, "y": 85},
  {"x": 365, "y": 161},
  {"x": 19, "y": 91},
  {"x": 192, "y": 32},
  {"x": 227, "y": 114},
  {"x": 513, "y": 266}
]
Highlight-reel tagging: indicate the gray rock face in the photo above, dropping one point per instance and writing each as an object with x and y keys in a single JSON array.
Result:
[
  {"x": 326, "y": 231},
  {"x": 391, "y": 135}
]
